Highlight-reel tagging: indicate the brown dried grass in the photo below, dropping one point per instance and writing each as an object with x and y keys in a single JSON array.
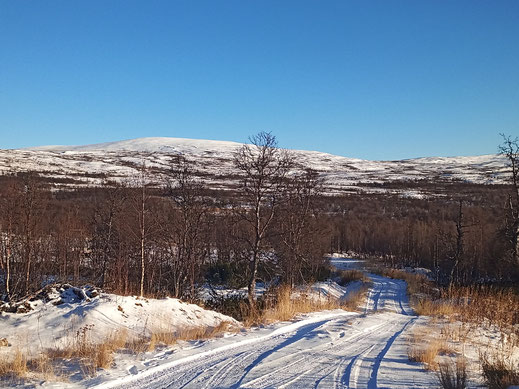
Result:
[
  {"x": 453, "y": 375},
  {"x": 499, "y": 370},
  {"x": 15, "y": 366},
  {"x": 283, "y": 304},
  {"x": 425, "y": 348}
]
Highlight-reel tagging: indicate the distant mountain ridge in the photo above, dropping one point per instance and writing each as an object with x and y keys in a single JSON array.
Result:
[
  {"x": 148, "y": 144},
  {"x": 93, "y": 164}
]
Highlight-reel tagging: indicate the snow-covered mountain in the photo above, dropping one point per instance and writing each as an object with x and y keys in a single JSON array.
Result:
[
  {"x": 151, "y": 145},
  {"x": 92, "y": 164}
]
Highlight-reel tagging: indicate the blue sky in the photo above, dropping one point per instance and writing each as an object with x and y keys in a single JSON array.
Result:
[{"x": 376, "y": 80}]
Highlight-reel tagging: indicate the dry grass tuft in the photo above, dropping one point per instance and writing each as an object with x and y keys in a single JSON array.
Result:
[
  {"x": 428, "y": 307},
  {"x": 347, "y": 276},
  {"x": 161, "y": 336},
  {"x": 138, "y": 345},
  {"x": 283, "y": 304},
  {"x": 14, "y": 367},
  {"x": 450, "y": 377},
  {"x": 427, "y": 353},
  {"x": 92, "y": 355},
  {"x": 499, "y": 371},
  {"x": 356, "y": 299},
  {"x": 43, "y": 367}
]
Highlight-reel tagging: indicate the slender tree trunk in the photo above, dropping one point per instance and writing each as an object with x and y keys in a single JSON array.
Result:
[
  {"x": 516, "y": 242},
  {"x": 143, "y": 230},
  {"x": 8, "y": 267},
  {"x": 106, "y": 249},
  {"x": 255, "y": 255},
  {"x": 28, "y": 266},
  {"x": 252, "y": 280},
  {"x": 459, "y": 247},
  {"x": 142, "y": 268}
]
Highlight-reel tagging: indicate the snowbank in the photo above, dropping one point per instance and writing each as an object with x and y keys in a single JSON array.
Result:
[{"x": 54, "y": 317}]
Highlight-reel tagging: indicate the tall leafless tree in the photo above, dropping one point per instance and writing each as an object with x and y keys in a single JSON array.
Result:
[
  {"x": 295, "y": 225},
  {"x": 33, "y": 199},
  {"x": 108, "y": 206},
  {"x": 263, "y": 167},
  {"x": 191, "y": 206},
  {"x": 145, "y": 225},
  {"x": 8, "y": 213},
  {"x": 510, "y": 149}
]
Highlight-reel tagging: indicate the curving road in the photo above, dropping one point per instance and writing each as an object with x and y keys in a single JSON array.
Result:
[{"x": 335, "y": 349}]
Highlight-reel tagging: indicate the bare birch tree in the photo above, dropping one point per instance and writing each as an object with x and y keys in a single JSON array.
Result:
[
  {"x": 510, "y": 149},
  {"x": 295, "y": 224},
  {"x": 263, "y": 167},
  {"x": 9, "y": 213},
  {"x": 191, "y": 206},
  {"x": 140, "y": 202},
  {"x": 109, "y": 205}
]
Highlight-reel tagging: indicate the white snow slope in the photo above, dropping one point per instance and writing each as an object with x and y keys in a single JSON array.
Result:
[
  {"x": 91, "y": 164},
  {"x": 70, "y": 311},
  {"x": 333, "y": 349}
]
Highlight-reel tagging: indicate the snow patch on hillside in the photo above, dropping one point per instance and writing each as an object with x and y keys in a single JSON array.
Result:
[{"x": 150, "y": 145}]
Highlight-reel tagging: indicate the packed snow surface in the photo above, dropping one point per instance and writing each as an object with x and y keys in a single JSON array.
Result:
[{"x": 331, "y": 349}]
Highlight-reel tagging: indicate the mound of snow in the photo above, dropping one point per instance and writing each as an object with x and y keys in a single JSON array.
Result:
[{"x": 56, "y": 316}]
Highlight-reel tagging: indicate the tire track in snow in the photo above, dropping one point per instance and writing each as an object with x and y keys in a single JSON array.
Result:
[
  {"x": 372, "y": 383},
  {"x": 315, "y": 357},
  {"x": 331, "y": 351},
  {"x": 225, "y": 369}
]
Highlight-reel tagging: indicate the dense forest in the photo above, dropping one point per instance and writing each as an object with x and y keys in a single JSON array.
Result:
[{"x": 135, "y": 238}]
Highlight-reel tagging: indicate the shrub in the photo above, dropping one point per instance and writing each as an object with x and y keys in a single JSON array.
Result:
[
  {"x": 450, "y": 377},
  {"x": 347, "y": 276},
  {"x": 499, "y": 371}
]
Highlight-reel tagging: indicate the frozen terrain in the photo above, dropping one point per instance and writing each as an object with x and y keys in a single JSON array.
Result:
[
  {"x": 329, "y": 349},
  {"x": 56, "y": 317},
  {"x": 332, "y": 349},
  {"x": 120, "y": 161}
]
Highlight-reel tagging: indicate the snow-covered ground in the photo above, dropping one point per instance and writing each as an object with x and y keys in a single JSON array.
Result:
[
  {"x": 61, "y": 314},
  {"x": 332, "y": 349},
  {"x": 324, "y": 349},
  {"x": 318, "y": 291},
  {"x": 120, "y": 161}
]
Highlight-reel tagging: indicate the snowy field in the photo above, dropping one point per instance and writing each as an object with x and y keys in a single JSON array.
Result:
[{"x": 120, "y": 161}]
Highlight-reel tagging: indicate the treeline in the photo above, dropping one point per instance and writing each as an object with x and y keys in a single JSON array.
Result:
[
  {"x": 106, "y": 236},
  {"x": 169, "y": 240},
  {"x": 461, "y": 248},
  {"x": 135, "y": 238},
  {"x": 465, "y": 234}
]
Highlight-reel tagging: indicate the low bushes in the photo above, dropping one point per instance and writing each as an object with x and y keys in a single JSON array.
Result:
[
  {"x": 453, "y": 377},
  {"x": 499, "y": 371}
]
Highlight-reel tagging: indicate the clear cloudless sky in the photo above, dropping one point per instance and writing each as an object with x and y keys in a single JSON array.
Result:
[{"x": 368, "y": 79}]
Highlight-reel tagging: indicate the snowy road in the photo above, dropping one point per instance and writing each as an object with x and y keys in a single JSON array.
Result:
[{"x": 335, "y": 349}]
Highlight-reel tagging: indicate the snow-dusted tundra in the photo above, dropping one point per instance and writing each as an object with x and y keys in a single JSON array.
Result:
[{"x": 121, "y": 161}]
